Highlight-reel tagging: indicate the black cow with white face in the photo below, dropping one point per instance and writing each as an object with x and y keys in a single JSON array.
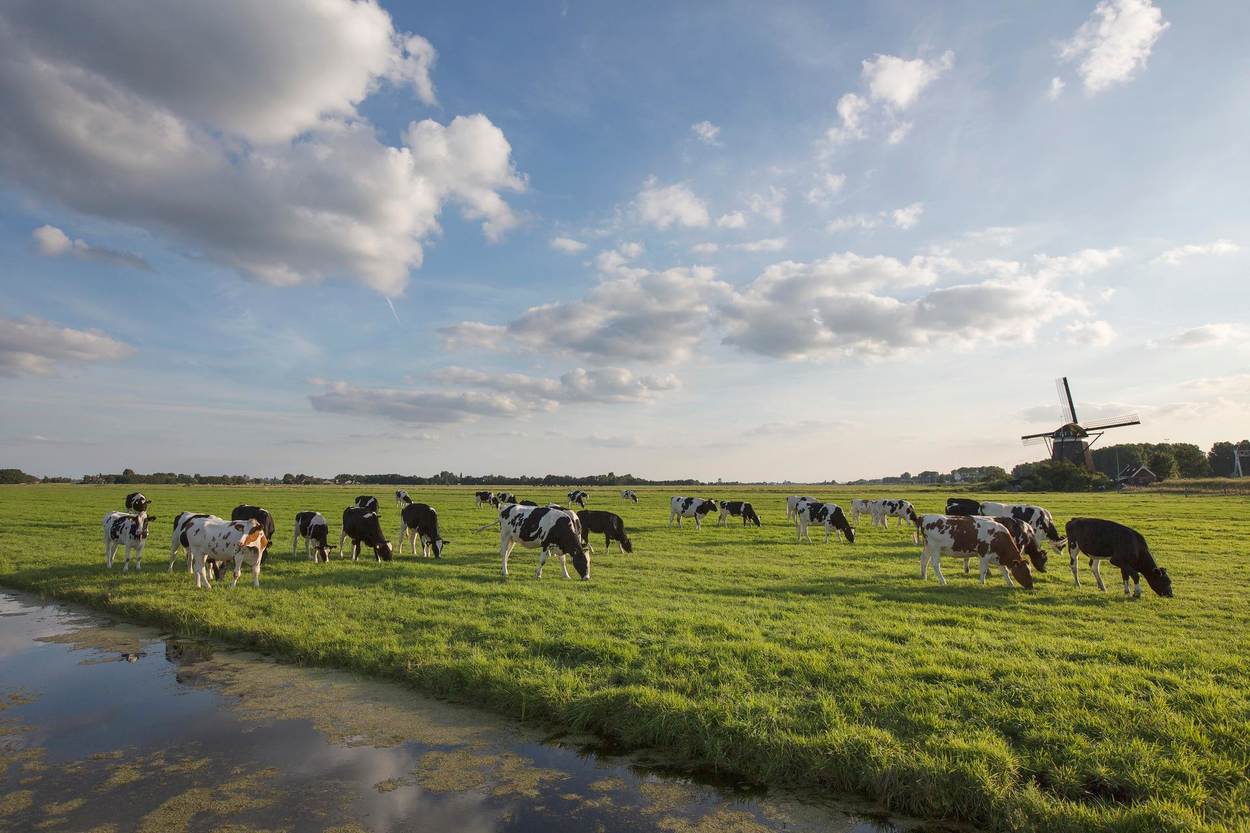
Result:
[
  {"x": 544, "y": 528},
  {"x": 690, "y": 507},
  {"x": 136, "y": 502},
  {"x": 579, "y": 497},
  {"x": 420, "y": 521},
  {"x": 367, "y": 502},
  {"x": 364, "y": 527},
  {"x": 737, "y": 509},
  {"x": 609, "y": 523},
  {"x": 245, "y": 512},
  {"x": 1123, "y": 546},
  {"x": 828, "y": 515},
  {"x": 313, "y": 528},
  {"x": 401, "y": 498}
]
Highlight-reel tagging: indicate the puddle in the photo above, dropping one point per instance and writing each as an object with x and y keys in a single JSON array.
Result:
[{"x": 108, "y": 728}]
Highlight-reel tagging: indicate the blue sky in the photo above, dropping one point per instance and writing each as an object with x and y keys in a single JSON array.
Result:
[{"x": 792, "y": 241}]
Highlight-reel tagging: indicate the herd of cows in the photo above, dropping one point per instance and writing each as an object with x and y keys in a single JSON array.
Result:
[{"x": 1012, "y": 537}]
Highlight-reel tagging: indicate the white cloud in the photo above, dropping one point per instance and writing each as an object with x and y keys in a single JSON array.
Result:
[
  {"x": 705, "y": 248},
  {"x": 417, "y": 406},
  {"x": 1207, "y": 335},
  {"x": 1055, "y": 89},
  {"x": 614, "y": 261},
  {"x": 567, "y": 245},
  {"x": 1090, "y": 333},
  {"x": 32, "y": 346},
  {"x": 1115, "y": 43},
  {"x": 769, "y": 205},
  {"x": 473, "y": 335},
  {"x": 851, "y": 109},
  {"x": 245, "y": 147},
  {"x": 854, "y": 221},
  {"x": 772, "y": 244},
  {"x": 904, "y": 218},
  {"x": 631, "y": 250},
  {"x": 662, "y": 206},
  {"x": 898, "y": 81},
  {"x": 706, "y": 132},
  {"x": 735, "y": 219},
  {"x": 907, "y": 216},
  {"x": 1174, "y": 256},
  {"x": 826, "y": 185},
  {"x": 607, "y": 384},
  {"x": 899, "y": 133},
  {"x": 50, "y": 241}
]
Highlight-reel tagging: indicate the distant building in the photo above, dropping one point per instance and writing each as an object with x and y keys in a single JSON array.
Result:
[{"x": 1136, "y": 475}]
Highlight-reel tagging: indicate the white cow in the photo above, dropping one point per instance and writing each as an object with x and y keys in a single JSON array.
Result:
[
  {"x": 546, "y": 528},
  {"x": 792, "y": 505},
  {"x": 864, "y": 506},
  {"x": 217, "y": 540},
  {"x": 180, "y": 538},
  {"x": 690, "y": 507},
  {"x": 128, "y": 530}
]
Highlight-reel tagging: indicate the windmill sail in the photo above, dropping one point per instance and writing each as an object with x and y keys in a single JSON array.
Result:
[
  {"x": 1067, "y": 410},
  {"x": 1112, "y": 422}
]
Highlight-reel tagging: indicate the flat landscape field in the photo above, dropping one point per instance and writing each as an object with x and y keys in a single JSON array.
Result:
[{"x": 830, "y": 667}]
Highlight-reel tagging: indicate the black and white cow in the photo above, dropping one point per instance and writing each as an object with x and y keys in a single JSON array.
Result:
[
  {"x": 136, "y": 503},
  {"x": 363, "y": 526},
  {"x": 1123, "y": 546},
  {"x": 180, "y": 537},
  {"x": 579, "y": 497},
  {"x": 245, "y": 512},
  {"x": 526, "y": 502},
  {"x": 367, "y": 502},
  {"x": 212, "y": 540},
  {"x": 963, "y": 506},
  {"x": 1031, "y": 514},
  {"x": 547, "y": 529},
  {"x": 420, "y": 521},
  {"x": 737, "y": 509},
  {"x": 609, "y": 523},
  {"x": 1026, "y": 538},
  {"x": 504, "y": 498},
  {"x": 690, "y": 507},
  {"x": 901, "y": 509},
  {"x": 401, "y": 498},
  {"x": 483, "y": 498},
  {"x": 629, "y": 494},
  {"x": 972, "y": 536},
  {"x": 792, "y": 505},
  {"x": 828, "y": 515},
  {"x": 129, "y": 531},
  {"x": 313, "y": 528}
]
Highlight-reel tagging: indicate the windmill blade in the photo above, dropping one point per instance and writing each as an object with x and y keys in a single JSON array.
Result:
[
  {"x": 1036, "y": 439},
  {"x": 1112, "y": 422},
  {"x": 1116, "y": 425},
  {"x": 1042, "y": 435},
  {"x": 1067, "y": 410}
]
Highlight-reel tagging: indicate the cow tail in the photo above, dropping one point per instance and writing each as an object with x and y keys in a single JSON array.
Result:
[{"x": 487, "y": 526}]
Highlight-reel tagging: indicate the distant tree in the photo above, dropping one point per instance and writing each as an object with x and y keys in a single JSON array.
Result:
[
  {"x": 1057, "y": 476},
  {"x": 1190, "y": 460},
  {"x": 9, "y": 476},
  {"x": 1162, "y": 462},
  {"x": 1221, "y": 457}
]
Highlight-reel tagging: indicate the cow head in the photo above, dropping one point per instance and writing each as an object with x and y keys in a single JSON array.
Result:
[
  {"x": 626, "y": 544},
  {"x": 323, "y": 552},
  {"x": 1020, "y": 572},
  {"x": 1159, "y": 581},
  {"x": 1036, "y": 552},
  {"x": 383, "y": 551},
  {"x": 253, "y": 535},
  {"x": 437, "y": 547},
  {"x": 706, "y": 507}
]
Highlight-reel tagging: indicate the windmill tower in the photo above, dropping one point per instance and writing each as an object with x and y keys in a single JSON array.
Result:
[{"x": 1072, "y": 440}]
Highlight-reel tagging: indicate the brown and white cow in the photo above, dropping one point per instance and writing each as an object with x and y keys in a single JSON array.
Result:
[
  {"x": 973, "y": 536},
  {"x": 1027, "y": 541},
  {"x": 212, "y": 539}
]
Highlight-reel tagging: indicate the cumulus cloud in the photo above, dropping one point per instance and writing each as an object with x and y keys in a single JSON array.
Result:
[
  {"x": 907, "y": 216},
  {"x": 665, "y": 205},
  {"x": 567, "y": 245},
  {"x": 1115, "y": 43},
  {"x": 768, "y": 205},
  {"x": 608, "y": 384},
  {"x": 1206, "y": 335},
  {"x": 903, "y": 218},
  {"x": 34, "y": 347},
  {"x": 50, "y": 241},
  {"x": 1174, "y": 256},
  {"x": 851, "y": 109},
  {"x": 898, "y": 81},
  {"x": 734, "y": 219},
  {"x": 706, "y": 132},
  {"x": 826, "y": 186},
  {"x": 247, "y": 146},
  {"x": 615, "y": 261}
]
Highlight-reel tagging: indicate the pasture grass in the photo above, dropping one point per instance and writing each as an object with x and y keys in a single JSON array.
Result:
[{"x": 831, "y": 667}]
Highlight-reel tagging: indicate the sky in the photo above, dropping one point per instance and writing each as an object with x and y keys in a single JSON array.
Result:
[{"x": 785, "y": 241}]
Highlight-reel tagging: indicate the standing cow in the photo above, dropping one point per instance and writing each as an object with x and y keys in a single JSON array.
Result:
[
  {"x": 737, "y": 509},
  {"x": 313, "y": 528},
  {"x": 483, "y": 498},
  {"x": 901, "y": 509},
  {"x": 1123, "y": 546},
  {"x": 579, "y": 497},
  {"x": 1026, "y": 538},
  {"x": 629, "y": 494},
  {"x": 180, "y": 537},
  {"x": 420, "y": 521},
  {"x": 828, "y": 515},
  {"x": 401, "y": 499},
  {"x": 864, "y": 506},
  {"x": 128, "y": 531},
  {"x": 963, "y": 506},
  {"x": 211, "y": 539},
  {"x": 363, "y": 526},
  {"x": 547, "y": 529},
  {"x": 792, "y": 505},
  {"x": 971, "y": 536},
  {"x": 246, "y": 512},
  {"x": 1035, "y": 516},
  {"x": 136, "y": 503},
  {"x": 367, "y": 502},
  {"x": 690, "y": 507},
  {"x": 609, "y": 523}
]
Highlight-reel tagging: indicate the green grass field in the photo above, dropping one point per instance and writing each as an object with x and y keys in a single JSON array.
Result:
[{"x": 824, "y": 666}]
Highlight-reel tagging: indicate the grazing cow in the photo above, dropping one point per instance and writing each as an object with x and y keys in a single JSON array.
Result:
[
  {"x": 136, "y": 502},
  {"x": 901, "y": 509},
  {"x": 123, "y": 529},
  {"x": 963, "y": 506},
  {"x": 401, "y": 498},
  {"x": 1124, "y": 546},
  {"x": 971, "y": 536},
  {"x": 1026, "y": 538},
  {"x": 579, "y": 497},
  {"x": 211, "y": 539},
  {"x": 737, "y": 508},
  {"x": 525, "y": 502},
  {"x": 244, "y": 512},
  {"x": 363, "y": 526},
  {"x": 1031, "y": 514},
  {"x": 690, "y": 507},
  {"x": 420, "y": 521},
  {"x": 828, "y": 515},
  {"x": 609, "y": 523},
  {"x": 629, "y": 494},
  {"x": 547, "y": 529},
  {"x": 503, "y": 498},
  {"x": 180, "y": 538},
  {"x": 367, "y": 502},
  {"x": 481, "y": 499},
  {"x": 792, "y": 505},
  {"x": 313, "y": 528},
  {"x": 864, "y": 506}
]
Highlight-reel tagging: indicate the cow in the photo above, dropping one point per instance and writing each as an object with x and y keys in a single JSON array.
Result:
[
  {"x": 1026, "y": 539},
  {"x": 828, "y": 515},
  {"x": 313, "y": 528},
  {"x": 180, "y": 537},
  {"x": 129, "y": 531},
  {"x": 792, "y": 505},
  {"x": 420, "y": 521},
  {"x": 547, "y": 529},
  {"x": 367, "y": 502},
  {"x": 963, "y": 506},
  {"x": 211, "y": 539},
  {"x": 690, "y": 507},
  {"x": 971, "y": 536},
  {"x": 864, "y": 506},
  {"x": 629, "y": 494},
  {"x": 483, "y": 498},
  {"x": 609, "y": 523},
  {"x": 1035, "y": 516},
  {"x": 579, "y": 497},
  {"x": 364, "y": 526},
  {"x": 401, "y": 499},
  {"x": 244, "y": 512},
  {"x": 136, "y": 503},
  {"x": 1126, "y": 549},
  {"x": 525, "y": 502},
  {"x": 901, "y": 509},
  {"x": 737, "y": 508},
  {"x": 503, "y": 498}
]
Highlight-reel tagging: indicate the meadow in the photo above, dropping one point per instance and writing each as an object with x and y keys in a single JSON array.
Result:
[{"x": 737, "y": 650}]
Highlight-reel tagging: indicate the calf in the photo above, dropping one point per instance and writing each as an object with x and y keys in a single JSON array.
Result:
[
  {"x": 963, "y": 506},
  {"x": 367, "y": 502},
  {"x": 828, "y": 515},
  {"x": 579, "y": 497},
  {"x": 313, "y": 528},
  {"x": 420, "y": 520},
  {"x": 792, "y": 505},
  {"x": 609, "y": 523},
  {"x": 180, "y": 537},
  {"x": 481, "y": 499},
  {"x": 136, "y": 502},
  {"x": 1035, "y": 516},
  {"x": 244, "y": 512},
  {"x": 1126, "y": 549},
  {"x": 545, "y": 528},
  {"x": 901, "y": 509},
  {"x": 971, "y": 536},
  {"x": 629, "y": 494},
  {"x": 1026, "y": 538},
  {"x": 364, "y": 526},
  {"x": 737, "y": 508},
  {"x": 211, "y": 539},
  {"x": 401, "y": 498},
  {"x": 130, "y": 531},
  {"x": 690, "y": 507}
]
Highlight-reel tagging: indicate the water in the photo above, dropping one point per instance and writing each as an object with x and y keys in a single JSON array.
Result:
[{"x": 107, "y": 727}]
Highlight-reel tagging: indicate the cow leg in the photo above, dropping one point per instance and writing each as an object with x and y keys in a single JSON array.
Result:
[
  {"x": 1136, "y": 586},
  {"x": 505, "y": 549},
  {"x": 1073, "y": 552},
  {"x": 1094, "y": 562},
  {"x": 342, "y": 538},
  {"x": 564, "y": 563},
  {"x": 110, "y": 547},
  {"x": 238, "y": 568},
  {"x": 256, "y": 574},
  {"x": 1006, "y": 575},
  {"x": 936, "y": 561},
  {"x": 607, "y": 544},
  {"x": 139, "y": 555},
  {"x": 542, "y": 559},
  {"x": 924, "y": 563}
]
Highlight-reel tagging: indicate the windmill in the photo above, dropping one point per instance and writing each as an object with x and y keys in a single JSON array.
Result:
[{"x": 1072, "y": 440}]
